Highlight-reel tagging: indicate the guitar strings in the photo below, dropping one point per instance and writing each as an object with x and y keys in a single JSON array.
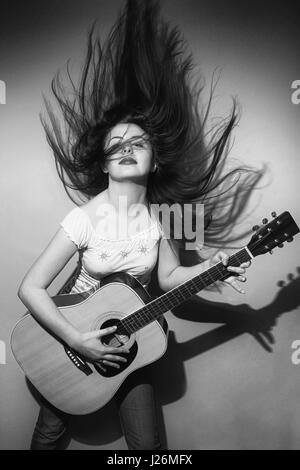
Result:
[
  {"x": 153, "y": 309},
  {"x": 157, "y": 307}
]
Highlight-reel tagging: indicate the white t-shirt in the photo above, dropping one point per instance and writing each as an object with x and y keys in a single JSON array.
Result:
[{"x": 102, "y": 254}]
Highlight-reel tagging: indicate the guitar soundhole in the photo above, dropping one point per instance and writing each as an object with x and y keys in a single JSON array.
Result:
[{"x": 116, "y": 340}]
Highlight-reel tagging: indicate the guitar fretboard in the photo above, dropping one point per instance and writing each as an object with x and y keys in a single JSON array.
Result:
[{"x": 171, "y": 299}]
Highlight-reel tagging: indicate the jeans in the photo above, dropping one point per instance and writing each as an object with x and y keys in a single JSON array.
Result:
[{"x": 136, "y": 405}]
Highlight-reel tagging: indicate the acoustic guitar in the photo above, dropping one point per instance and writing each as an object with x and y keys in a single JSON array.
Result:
[{"x": 77, "y": 386}]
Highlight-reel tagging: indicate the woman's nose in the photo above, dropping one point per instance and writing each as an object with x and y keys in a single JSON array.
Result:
[{"x": 127, "y": 149}]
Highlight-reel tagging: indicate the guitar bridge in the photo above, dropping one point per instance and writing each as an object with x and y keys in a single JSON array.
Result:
[{"x": 78, "y": 362}]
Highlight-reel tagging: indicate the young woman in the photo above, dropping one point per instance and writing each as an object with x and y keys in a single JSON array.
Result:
[{"x": 134, "y": 133}]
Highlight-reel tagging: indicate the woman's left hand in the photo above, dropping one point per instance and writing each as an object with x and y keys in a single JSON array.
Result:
[{"x": 240, "y": 271}]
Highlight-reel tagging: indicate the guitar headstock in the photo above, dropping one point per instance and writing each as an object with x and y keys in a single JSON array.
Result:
[{"x": 271, "y": 234}]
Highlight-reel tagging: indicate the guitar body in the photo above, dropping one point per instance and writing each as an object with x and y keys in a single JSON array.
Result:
[{"x": 55, "y": 372}]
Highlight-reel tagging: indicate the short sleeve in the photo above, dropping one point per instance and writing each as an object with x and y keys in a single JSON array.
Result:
[{"x": 77, "y": 227}]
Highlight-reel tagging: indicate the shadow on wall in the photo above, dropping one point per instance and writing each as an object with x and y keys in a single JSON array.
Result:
[{"x": 102, "y": 427}]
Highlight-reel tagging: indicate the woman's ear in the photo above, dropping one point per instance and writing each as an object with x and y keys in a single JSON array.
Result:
[
  {"x": 154, "y": 167},
  {"x": 103, "y": 168}
]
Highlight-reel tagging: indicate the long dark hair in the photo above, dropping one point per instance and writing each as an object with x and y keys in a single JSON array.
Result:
[{"x": 141, "y": 74}]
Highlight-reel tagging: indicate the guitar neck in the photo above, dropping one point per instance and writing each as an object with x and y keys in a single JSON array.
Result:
[{"x": 157, "y": 307}]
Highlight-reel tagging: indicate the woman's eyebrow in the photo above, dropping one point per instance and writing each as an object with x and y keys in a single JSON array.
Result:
[{"x": 122, "y": 137}]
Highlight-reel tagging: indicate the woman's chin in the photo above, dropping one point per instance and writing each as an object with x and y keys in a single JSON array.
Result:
[{"x": 129, "y": 175}]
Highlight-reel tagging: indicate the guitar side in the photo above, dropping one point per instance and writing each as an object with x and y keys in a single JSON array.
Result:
[{"x": 46, "y": 364}]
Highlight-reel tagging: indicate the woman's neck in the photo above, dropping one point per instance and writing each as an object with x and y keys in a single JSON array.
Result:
[{"x": 128, "y": 191}]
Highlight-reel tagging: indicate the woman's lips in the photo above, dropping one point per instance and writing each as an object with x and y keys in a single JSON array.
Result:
[{"x": 127, "y": 161}]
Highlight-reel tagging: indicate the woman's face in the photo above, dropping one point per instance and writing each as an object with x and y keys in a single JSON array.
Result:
[{"x": 129, "y": 153}]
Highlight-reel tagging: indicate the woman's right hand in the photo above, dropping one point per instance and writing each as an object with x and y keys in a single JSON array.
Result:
[{"x": 90, "y": 347}]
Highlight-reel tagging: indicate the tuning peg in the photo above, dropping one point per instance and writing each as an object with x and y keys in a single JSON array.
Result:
[
  {"x": 289, "y": 239},
  {"x": 271, "y": 252},
  {"x": 264, "y": 221},
  {"x": 280, "y": 245},
  {"x": 255, "y": 227},
  {"x": 273, "y": 214}
]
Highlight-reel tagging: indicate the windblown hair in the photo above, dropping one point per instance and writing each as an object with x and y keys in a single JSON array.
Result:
[{"x": 141, "y": 74}]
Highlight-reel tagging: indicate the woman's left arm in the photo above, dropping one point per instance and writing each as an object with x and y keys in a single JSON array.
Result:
[{"x": 171, "y": 273}]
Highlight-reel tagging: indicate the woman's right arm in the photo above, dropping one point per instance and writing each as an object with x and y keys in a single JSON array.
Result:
[{"x": 33, "y": 293}]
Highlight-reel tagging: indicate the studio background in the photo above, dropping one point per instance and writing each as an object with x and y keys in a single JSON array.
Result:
[{"x": 222, "y": 383}]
